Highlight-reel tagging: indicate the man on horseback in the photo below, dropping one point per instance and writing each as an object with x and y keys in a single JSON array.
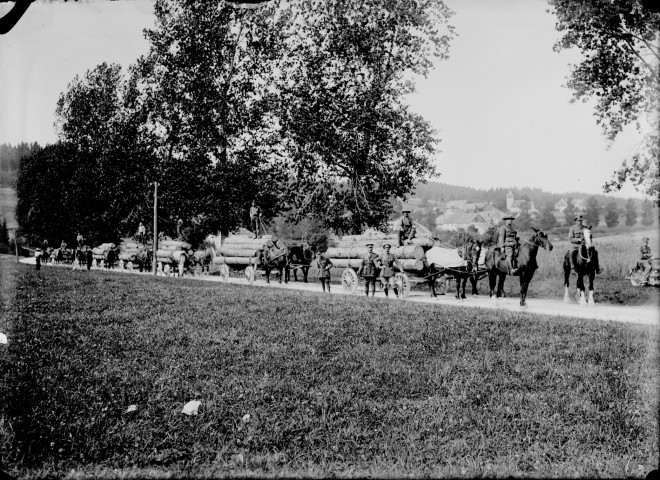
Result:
[
  {"x": 406, "y": 227},
  {"x": 508, "y": 243},
  {"x": 386, "y": 263},
  {"x": 368, "y": 269},
  {"x": 575, "y": 236}
]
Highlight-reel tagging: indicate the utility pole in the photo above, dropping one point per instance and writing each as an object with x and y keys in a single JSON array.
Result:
[{"x": 155, "y": 243}]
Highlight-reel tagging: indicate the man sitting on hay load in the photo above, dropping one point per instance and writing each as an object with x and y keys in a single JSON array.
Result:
[{"x": 406, "y": 227}]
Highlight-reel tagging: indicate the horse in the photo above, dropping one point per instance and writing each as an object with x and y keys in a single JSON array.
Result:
[
  {"x": 498, "y": 269},
  {"x": 273, "y": 258},
  {"x": 470, "y": 252},
  {"x": 299, "y": 257},
  {"x": 586, "y": 264},
  {"x": 202, "y": 259}
]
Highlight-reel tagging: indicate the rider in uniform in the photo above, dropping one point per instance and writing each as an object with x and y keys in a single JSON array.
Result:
[
  {"x": 386, "y": 262},
  {"x": 645, "y": 258},
  {"x": 368, "y": 269},
  {"x": 406, "y": 227},
  {"x": 575, "y": 237},
  {"x": 508, "y": 243}
]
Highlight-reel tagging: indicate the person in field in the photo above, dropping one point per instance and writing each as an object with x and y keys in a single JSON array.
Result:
[
  {"x": 324, "y": 265},
  {"x": 508, "y": 243},
  {"x": 645, "y": 257},
  {"x": 406, "y": 228},
  {"x": 386, "y": 263},
  {"x": 368, "y": 269}
]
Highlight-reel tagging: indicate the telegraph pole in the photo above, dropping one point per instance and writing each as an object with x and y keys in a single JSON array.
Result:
[{"x": 155, "y": 243}]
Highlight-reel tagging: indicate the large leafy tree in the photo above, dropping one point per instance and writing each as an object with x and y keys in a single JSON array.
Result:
[
  {"x": 620, "y": 71},
  {"x": 100, "y": 116},
  {"x": 350, "y": 140}
]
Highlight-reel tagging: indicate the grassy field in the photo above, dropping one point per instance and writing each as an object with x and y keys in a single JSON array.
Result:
[{"x": 343, "y": 386}]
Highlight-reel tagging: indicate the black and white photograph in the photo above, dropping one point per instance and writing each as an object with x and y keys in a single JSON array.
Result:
[{"x": 329, "y": 239}]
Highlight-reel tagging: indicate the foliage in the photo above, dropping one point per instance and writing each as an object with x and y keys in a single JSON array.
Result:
[
  {"x": 619, "y": 71},
  {"x": 427, "y": 218},
  {"x": 647, "y": 214},
  {"x": 524, "y": 219},
  {"x": 592, "y": 213},
  {"x": 611, "y": 215},
  {"x": 334, "y": 386},
  {"x": 351, "y": 140},
  {"x": 548, "y": 220},
  {"x": 631, "y": 213}
]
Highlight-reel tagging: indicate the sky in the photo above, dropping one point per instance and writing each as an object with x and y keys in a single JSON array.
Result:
[{"x": 498, "y": 103}]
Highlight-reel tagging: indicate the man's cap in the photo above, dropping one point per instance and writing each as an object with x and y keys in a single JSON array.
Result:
[
  {"x": 369, "y": 245},
  {"x": 645, "y": 239},
  {"x": 387, "y": 245},
  {"x": 578, "y": 217},
  {"x": 509, "y": 218},
  {"x": 405, "y": 211}
]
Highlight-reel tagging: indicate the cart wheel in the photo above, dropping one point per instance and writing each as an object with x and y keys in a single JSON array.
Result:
[
  {"x": 181, "y": 269},
  {"x": 121, "y": 264},
  {"x": 249, "y": 274},
  {"x": 198, "y": 270},
  {"x": 224, "y": 272},
  {"x": 166, "y": 269},
  {"x": 129, "y": 265},
  {"x": 402, "y": 284},
  {"x": 637, "y": 277},
  {"x": 349, "y": 280}
]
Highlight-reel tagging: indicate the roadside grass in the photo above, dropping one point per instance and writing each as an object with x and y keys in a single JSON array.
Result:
[{"x": 334, "y": 385}]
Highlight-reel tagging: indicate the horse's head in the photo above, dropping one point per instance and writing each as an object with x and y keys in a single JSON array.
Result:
[
  {"x": 540, "y": 239},
  {"x": 586, "y": 237},
  {"x": 474, "y": 253}
]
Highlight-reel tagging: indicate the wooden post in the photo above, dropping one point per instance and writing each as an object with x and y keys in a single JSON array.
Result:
[
  {"x": 155, "y": 242},
  {"x": 15, "y": 244}
]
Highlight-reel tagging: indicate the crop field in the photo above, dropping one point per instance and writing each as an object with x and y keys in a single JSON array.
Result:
[{"x": 295, "y": 383}]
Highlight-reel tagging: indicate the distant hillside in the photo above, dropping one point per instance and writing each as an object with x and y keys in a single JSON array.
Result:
[{"x": 442, "y": 192}]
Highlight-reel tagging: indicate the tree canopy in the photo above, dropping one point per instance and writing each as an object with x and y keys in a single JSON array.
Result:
[{"x": 620, "y": 71}]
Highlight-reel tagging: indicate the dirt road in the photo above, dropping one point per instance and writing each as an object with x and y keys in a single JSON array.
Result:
[{"x": 647, "y": 315}]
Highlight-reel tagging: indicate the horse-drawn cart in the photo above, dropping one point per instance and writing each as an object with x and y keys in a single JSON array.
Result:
[
  {"x": 240, "y": 252},
  {"x": 172, "y": 256}
]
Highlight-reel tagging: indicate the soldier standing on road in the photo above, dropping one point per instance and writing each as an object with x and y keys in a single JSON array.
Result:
[
  {"x": 255, "y": 218},
  {"x": 386, "y": 263},
  {"x": 508, "y": 243},
  {"x": 645, "y": 256},
  {"x": 368, "y": 269},
  {"x": 324, "y": 265},
  {"x": 406, "y": 227}
]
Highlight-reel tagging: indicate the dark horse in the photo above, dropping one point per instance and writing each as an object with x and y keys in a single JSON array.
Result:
[
  {"x": 299, "y": 257},
  {"x": 586, "y": 264},
  {"x": 273, "y": 258},
  {"x": 526, "y": 259},
  {"x": 470, "y": 252}
]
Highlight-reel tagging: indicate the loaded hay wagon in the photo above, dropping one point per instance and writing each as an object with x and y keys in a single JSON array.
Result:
[
  {"x": 172, "y": 256},
  {"x": 349, "y": 252},
  {"x": 241, "y": 252}
]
